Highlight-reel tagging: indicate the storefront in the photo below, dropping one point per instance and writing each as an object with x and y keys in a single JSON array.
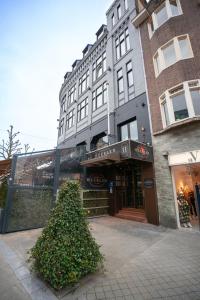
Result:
[
  {"x": 125, "y": 170},
  {"x": 185, "y": 168}
]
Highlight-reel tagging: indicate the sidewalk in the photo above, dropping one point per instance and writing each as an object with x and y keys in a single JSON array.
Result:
[{"x": 142, "y": 262}]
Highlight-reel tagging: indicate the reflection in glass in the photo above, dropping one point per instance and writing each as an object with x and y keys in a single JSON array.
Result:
[{"x": 180, "y": 107}]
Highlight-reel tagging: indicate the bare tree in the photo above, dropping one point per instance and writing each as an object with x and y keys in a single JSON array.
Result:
[
  {"x": 27, "y": 148},
  {"x": 12, "y": 146}
]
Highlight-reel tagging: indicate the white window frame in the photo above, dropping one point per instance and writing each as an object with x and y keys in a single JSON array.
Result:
[
  {"x": 160, "y": 55},
  {"x": 70, "y": 120},
  {"x": 125, "y": 5},
  {"x": 166, "y": 98},
  {"x": 169, "y": 16},
  {"x": 119, "y": 11}
]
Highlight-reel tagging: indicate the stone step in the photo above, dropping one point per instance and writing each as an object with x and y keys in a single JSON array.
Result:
[
  {"x": 133, "y": 215},
  {"x": 131, "y": 218}
]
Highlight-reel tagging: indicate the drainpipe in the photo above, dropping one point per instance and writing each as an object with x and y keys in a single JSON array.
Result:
[{"x": 108, "y": 109}]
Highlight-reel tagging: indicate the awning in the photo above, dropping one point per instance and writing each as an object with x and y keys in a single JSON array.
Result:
[
  {"x": 102, "y": 161},
  {"x": 118, "y": 152}
]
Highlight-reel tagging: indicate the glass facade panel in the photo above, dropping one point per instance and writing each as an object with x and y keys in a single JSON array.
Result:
[
  {"x": 184, "y": 47},
  {"x": 174, "y": 7},
  {"x": 195, "y": 94},
  {"x": 161, "y": 15},
  {"x": 166, "y": 114},
  {"x": 169, "y": 54},
  {"x": 133, "y": 131},
  {"x": 180, "y": 107},
  {"x": 124, "y": 132}
]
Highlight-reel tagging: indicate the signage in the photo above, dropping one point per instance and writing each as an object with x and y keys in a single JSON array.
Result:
[
  {"x": 148, "y": 183},
  {"x": 126, "y": 149},
  {"x": 141, "y": 151},
  {"x": 122, "y": 148},
  {"x": 96, "y": 180},
  {"x": 184, "y": 158}
]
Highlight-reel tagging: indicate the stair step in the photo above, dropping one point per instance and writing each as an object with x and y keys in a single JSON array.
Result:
[
  {"x": 132, "y": 213},
  {"x": 132, "y": 218}
]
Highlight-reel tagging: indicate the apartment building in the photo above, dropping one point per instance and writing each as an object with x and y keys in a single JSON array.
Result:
[
  {"x": 103, "y": 105},
  {"x": 170, "y": 40}
]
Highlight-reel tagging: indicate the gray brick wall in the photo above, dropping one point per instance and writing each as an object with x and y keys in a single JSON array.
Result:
[{"x": 180, "y": 139}]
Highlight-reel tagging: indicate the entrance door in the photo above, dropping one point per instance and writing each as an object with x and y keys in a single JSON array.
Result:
[{"x": 129, "y": 187}]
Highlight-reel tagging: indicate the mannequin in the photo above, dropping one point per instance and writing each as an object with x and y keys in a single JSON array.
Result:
[{"x": 184, "y": 210}]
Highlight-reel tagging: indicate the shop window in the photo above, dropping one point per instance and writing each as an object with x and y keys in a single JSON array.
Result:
[
  {"x": 187, "y": 188},
  {"x": 129, "y": 131},
  {"x": 167, "y": 10},
  {"x": 177, "y": 49},
  {"x": 180, "y": 102}
]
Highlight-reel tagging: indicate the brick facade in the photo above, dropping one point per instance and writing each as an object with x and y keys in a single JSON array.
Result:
[{"x": 184, "y": 136}]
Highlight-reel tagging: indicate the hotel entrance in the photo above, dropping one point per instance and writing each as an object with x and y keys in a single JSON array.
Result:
[{"x": 125, "y": 171}]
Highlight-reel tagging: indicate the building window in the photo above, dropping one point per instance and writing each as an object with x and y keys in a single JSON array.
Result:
[
  {"x": 120, "y": 81},
  {"x": 71, "y": 95},
  {"x": 113, "y": 20},
  {"x": 61, "y": 128},
  {"x": 125, "y": 4},
  {"x": 62, "y": 107},
  {"x": 99, "y": 97},
  {"x": 119, "y": 11},
  {"x": 129, "y": 131},
  {"x": 129, "y": 74},
  {"x": 99, "y": 67},
  {"x": 178, "y": 48},
  {"x": 167, "y": 10},
  {"x": 99, "y": 141},
  {"x": 83, "y": 110},
  {"x": 70, "y": 119},
  {"x": 180, "y": 102},
  {"x": 83, "y": 82},
  {"x": 122, "y": 44}
]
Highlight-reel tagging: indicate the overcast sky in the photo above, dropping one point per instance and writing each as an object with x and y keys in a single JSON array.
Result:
[{"x": 39, "y": 41}]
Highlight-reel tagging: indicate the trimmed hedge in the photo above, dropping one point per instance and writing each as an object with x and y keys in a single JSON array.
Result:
[{"x": 66, "y": 251}]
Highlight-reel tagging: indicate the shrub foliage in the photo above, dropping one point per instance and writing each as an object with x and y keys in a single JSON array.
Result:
[{"x": 66, "y": 251}]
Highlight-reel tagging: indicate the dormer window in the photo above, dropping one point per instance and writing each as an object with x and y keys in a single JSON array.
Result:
[{"x": 101, "y": 31}]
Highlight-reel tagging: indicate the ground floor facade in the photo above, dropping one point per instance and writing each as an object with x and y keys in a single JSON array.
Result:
[
  {"x": 124, "y": 172},
  {"x": 177, "y": 172}
]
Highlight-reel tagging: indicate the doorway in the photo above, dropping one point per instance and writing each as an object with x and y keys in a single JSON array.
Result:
[{"x": 128, "y": 184}]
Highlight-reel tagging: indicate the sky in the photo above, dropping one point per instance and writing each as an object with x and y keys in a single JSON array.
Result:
[{"x": 39, "y": 41}]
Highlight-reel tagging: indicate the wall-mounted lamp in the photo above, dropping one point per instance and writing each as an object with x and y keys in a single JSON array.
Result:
[
  {"x": 165, "y": 154},
  {"x": 109, "y": 69}
]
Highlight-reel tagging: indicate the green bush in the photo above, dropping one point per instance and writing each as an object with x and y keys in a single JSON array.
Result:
[{"x": 66, "y": 251}]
